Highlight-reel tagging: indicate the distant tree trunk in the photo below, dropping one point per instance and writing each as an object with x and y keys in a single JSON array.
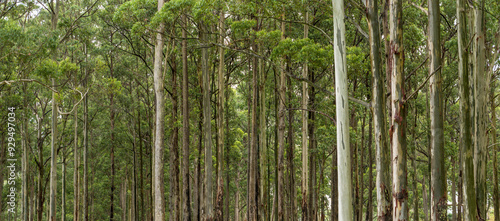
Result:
[
  {"x": 53, "y": 155},
  {"x": 382, "y": 150},
  {"x": 361, "y": 169},
  {"x": 312, "y": 193},
  {"x": 237, "y": 198},
  {"x": 25, "y": 160},
  {"x": 263, "y": 182},
  {"x": 207, "y": 129},
  {"x": 281, "y": 135},
  {"x": 305, "y": 157},
  {"x": 481, "y": 85},
  {"x": 63, "y": 190},
  {"x": 186, "y": 206},
  {"x": 85, "y": 150},
  {"x": 342, "y": 110},
  {"x": 469, "y": 192},
  {"x": 453, "y": 191},
  {"x": 112, "y": 139},
  {"x": 369, "y": 209},
  {"x": 438, "y": 173},
  {"x": 197, "y": 190},
  {"x": 76, "y": 186},
  {"x": 158, "y": 187},
  {"x": 123, "y": 198},
  {"x": 397, "y": 129},
  {"x": 415, "y": 179}
]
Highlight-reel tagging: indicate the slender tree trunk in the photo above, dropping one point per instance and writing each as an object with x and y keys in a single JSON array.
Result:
[
  {"x": 290, "y": 155},
  {"x": 469, "y": 194},
  {"x": 415, "y": 177},
  {"x": 342, "y": 110},
  {"x": 237, "y": 198},
  {"x": 25, "y": 160},
  {"x": 361, "y": 169},
  {"x": 186, "y": 206},
  {"x": 53, "y": 155},
  {"x": 480, "y": 110},
  {"x": 379, "y": 120},
  {"x": 63, "y": 190},
  {"x": 397, "y": 129},
  {"x": 263, "y": 182},
  {"x": 85, "y": 149},
  {"x": 112, "y": 139},
  {"x": 453, "y": 191},
  {"x": 495, "y": 148},
  {"x": 175, "y": 210},
  {"x": 312, "y": 193},
  {"x": 369, "y": 209},
  {"x": 305, "y": 157},
  {"x": 158, "y": 187},
  {"x": 197, "y": 190},
  {"x": 207, "y": 128},
  {"x": 76, "y": 186},
  {"x": 281, "y": 135},
  {"x": 438, "y": 173}
]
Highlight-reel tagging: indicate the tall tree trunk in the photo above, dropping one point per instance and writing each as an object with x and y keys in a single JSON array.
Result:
[
  {"x": 415, "y": 176},
  {"x": 263, "y": 182},
  {"x": 453, "y": 191},
  {"x": 305, "y": 157},
  {"x": 220, "y": 121},
  {"x": 342, "y": 110},
  {"x": 25, "y": 160},
  {"x": 197, "y": 190},
  {"x": 112, "y": 138},
  {"x": 158, "y": 187},
  {"x": 281, "y": 135},
  {"x": 63, "y": 190},
  {"x": 469, "y": 192},
  {"x": 85, "y": 148},
  {"x": 207, "y": 129},
  {"x": 382, "y": 150},
  {"x": 290, "y": 155},
  {"x": 495, "y": 148},
  {"x": 397, "y": 129},
  {"x": 481, "y": 85},
  {"x": 438, "y": 173},
  {"x": 186, "y": 206},
  {"x": 313, "y": 203},
  {"x": 361, "y": 169},
  {"x": 175, "y": 210},
  {"x": 53, "y": 158}
]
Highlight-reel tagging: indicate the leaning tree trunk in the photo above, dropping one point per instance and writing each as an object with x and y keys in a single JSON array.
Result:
[
  {"x": 481, "y": 85},
  {"x": 342, "y": 110},
  {"x": 158, "y": 187},
  {"x": 438, "y": 173},
  {"x": 379, "y": 119},
  {"x": 397, "y": 130}
]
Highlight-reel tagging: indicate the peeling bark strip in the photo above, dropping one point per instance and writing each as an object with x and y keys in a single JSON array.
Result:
[
  {"x": 398, "y": 142},
  {"x": 438, "y": 173},
  {"x": 378, "y": 104},
  {"x": 342, "y": 109}
]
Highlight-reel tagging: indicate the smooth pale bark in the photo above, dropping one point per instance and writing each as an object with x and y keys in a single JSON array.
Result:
[
  {"x": 158, "y": 187},
  {"x": 186, "y": 203},
  {"x": 438, "y": 173},
  {"x": 382, "y": 150},
  {"x": 469, "y": 192},
  {"x": 305, "y": 164},
  {"x": 481, "y": 89},
  {"x": 53, "y": 158},
  {"x": 397, "y": 129},
  {"x": 345, "y": 210},
  {"x": 281, "y": 135},
  {"x": 207, "y": 129}
]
